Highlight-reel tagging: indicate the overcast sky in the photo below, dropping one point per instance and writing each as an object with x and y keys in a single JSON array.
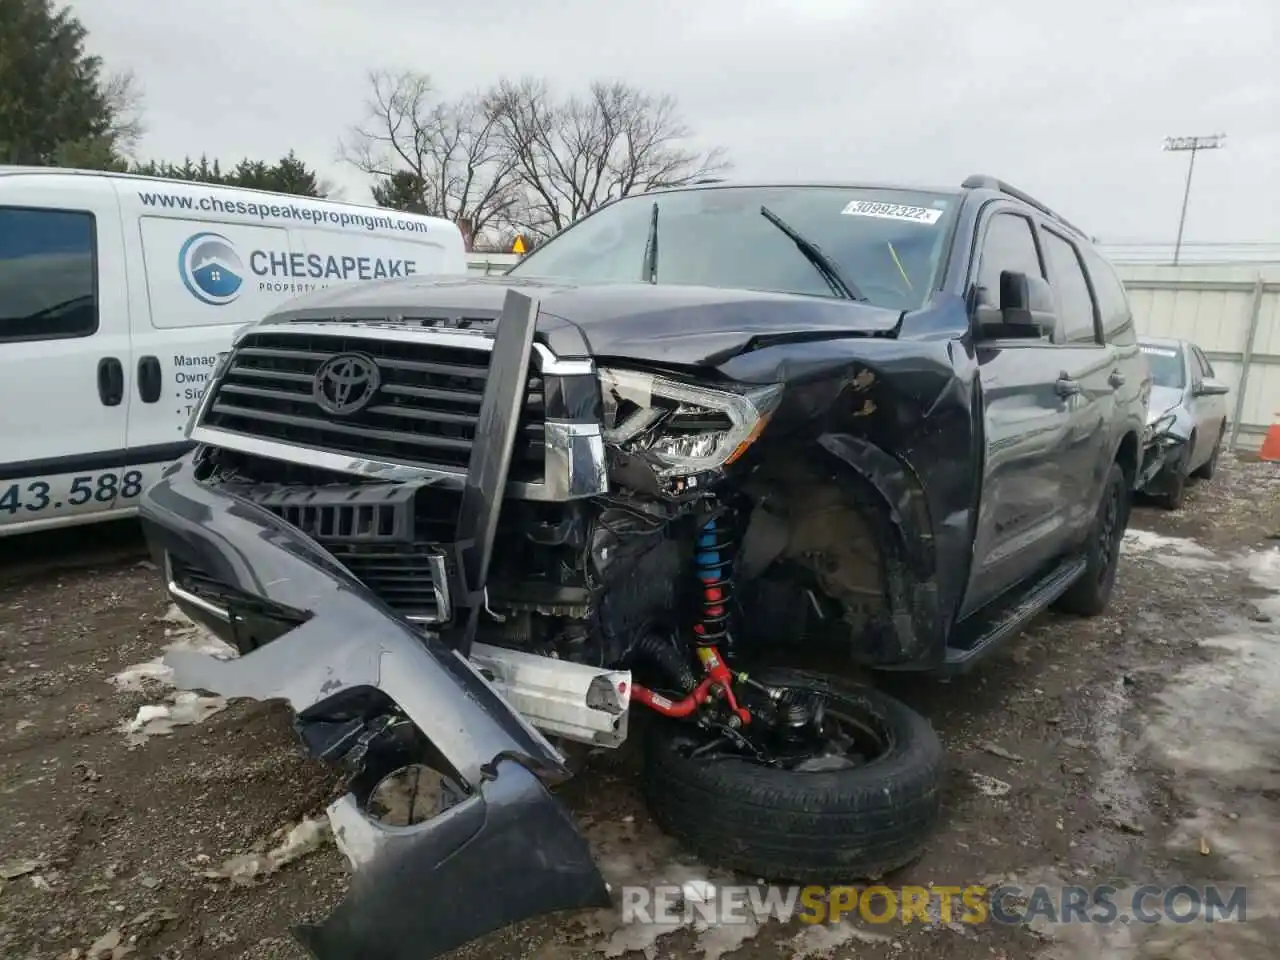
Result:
[{"x": 1069, "y": 99}]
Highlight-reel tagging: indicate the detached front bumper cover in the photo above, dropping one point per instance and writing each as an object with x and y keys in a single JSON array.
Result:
[{"x": 506, "y": 852}]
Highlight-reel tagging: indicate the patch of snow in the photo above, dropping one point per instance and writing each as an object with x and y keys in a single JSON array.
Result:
[
  {"x": 990, "y": 785},
  {"x": 1176, "y": 553},
  {"x": 1146, "y": 541},
  {"x": 1216, "y": 728},
  {"x": 824, "y": 939},
  {"x": 719, "y": 910},
  {"x": 183, "y": 634},
  {"x": 304, "y": 838},
  {"x": 700, "y": 890},
  {"x": 639, "y": 855},
  {"x": 1116, "y": 787},
  {"x": 160, "y": 720},
  {"x": 178, "y": 709}
]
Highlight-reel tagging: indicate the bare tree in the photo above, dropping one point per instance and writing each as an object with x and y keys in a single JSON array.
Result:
[
  {"x": 574, "y": 155},
  {"x": 439, "y": 157},
  {"x": 123, "y": 98}
]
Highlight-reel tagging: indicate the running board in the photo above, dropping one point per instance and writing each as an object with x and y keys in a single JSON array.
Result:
[
  {"x": 990, "y": 631},
  {"x": 560, "y": 698}
]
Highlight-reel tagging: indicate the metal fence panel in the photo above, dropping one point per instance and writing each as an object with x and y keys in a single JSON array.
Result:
[{"x": 1232, "y": 311}]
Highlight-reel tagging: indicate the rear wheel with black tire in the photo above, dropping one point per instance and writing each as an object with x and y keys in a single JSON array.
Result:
[
  {"x": 1090, "y": 595},
  {"x": 1176, "y": 492},
  {"x": 1210, "y": 466},
  {"x": 865, "y": 805}
]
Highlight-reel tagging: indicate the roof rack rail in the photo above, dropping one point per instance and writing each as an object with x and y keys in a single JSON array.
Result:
[{"x": 981, "y": 181}]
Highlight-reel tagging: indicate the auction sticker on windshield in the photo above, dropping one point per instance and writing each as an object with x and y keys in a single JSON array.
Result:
[{"x": 891, "y": 211}]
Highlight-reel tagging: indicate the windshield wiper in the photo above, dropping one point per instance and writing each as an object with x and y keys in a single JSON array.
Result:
[
  {"x": 649, "y": 271},
  {"x": 813, "y": 253}
]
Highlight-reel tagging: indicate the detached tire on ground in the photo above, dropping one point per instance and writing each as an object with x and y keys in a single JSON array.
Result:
[{"x": 833, "y": 826}]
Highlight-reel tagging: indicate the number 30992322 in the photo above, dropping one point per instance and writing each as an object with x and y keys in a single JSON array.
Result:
[{"x": 37, "y": 495}]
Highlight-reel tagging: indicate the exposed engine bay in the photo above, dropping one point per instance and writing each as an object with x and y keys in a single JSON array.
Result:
[
  {"x": 622, "y": 581},
  {"x": 442, "y": 548}
]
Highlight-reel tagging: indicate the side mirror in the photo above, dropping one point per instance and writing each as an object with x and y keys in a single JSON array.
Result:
[
  {"x": 1210, "y": 388},
  {"x": 1026, "y": 308}
]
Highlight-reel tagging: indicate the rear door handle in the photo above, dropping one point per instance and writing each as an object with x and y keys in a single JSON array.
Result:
[
  {"x": 1066, "y": 386},
  {"x": 149, "y": 381},
  {"x": 1116, "y": 379},
  {"x": 110, "y": 381}
]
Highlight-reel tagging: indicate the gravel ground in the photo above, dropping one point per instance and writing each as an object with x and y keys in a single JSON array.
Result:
[{"x": 1142, "y": 746}]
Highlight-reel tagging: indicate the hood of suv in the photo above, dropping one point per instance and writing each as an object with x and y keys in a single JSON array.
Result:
[{"x": 664, "y": 324}]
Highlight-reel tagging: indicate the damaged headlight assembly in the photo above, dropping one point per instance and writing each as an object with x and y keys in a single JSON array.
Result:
[
  {"x": 1157, "y": 428},
  {"x": 682, "y": 429}
]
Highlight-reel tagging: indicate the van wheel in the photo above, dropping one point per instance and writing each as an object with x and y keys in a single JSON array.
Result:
[{"x": 1089, "y": 595}]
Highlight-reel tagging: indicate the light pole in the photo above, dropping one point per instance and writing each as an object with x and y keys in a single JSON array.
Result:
[{"x": 1194, "y": 145}]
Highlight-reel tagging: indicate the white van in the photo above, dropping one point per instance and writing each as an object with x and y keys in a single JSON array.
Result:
[{"x": 118, "y": 292}]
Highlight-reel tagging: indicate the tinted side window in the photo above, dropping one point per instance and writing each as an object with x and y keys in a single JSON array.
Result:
[
  {"x": 1009, "y": 244},
  {"x": 1075, "y": 302},
  {"x": 48, "y": 274},
  {"x": 1113, "y": 302}
]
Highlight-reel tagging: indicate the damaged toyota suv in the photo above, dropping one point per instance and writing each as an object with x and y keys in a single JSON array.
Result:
[{"x": 702, "y": 438}]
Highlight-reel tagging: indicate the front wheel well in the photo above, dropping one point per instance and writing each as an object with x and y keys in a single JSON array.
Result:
[
  {"x": 1127, "y": 457},
  {"x": 835, "y": 530}
]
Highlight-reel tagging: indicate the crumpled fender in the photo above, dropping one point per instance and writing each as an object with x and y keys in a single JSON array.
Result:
[
  {"x": 922, "y": 633},
  {"x": 508, "y": 851}
]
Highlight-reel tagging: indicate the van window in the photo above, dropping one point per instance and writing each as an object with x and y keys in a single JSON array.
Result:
[
  {"x": 1075, "y": 303},
  {"x": 1113, "y": 302},
  {"x": 48, "y": 274}
]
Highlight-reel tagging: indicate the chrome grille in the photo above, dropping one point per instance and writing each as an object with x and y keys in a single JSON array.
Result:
[
  {"x": 389, "y": 538},
  {"x": 409, "y": 578},
  {"x": 425, "y": 412}
]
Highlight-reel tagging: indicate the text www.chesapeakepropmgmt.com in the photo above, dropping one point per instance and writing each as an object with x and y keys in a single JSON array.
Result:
[
  {"x": 278, "y": 211},
  {"x": 973, "y": 904}
]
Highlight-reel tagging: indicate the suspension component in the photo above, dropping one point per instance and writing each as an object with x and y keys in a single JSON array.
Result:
[
  {"x": 717, "y": 682},
  {"x": 799, "y": 709},
  {"x": 712, "y": 564}
]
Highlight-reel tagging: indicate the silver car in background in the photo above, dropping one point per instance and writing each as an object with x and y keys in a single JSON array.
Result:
[{"x": 1186, "y": 418}]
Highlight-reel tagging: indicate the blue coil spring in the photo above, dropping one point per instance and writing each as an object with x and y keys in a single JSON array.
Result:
[{"x": 713, "y": 568}]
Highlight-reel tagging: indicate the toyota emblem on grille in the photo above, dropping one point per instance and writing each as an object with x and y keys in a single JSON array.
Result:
[{"x": 346, "y": 384}]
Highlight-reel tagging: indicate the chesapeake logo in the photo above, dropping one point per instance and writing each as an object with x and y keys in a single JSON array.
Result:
[
  {"x": 215, "y": 274},
  {"x": 211, "y": 269}
]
